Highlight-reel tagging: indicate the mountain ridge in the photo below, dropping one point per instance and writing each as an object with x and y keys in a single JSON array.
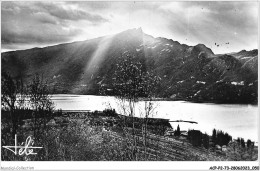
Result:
[{"x": 187, "y": 72}]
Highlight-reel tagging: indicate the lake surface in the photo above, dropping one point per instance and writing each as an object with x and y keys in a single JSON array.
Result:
[{"x": 237, "y": 120}]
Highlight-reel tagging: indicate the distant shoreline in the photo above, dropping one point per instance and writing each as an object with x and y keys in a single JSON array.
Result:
[
  {"x": 175, "y": 99},
  {"x": 210, "y": 102}
]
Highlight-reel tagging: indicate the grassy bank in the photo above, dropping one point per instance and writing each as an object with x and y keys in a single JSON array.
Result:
[{"x": 102, "y": 136}]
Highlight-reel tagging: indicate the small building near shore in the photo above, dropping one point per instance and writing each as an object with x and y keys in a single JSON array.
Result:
[{"x": 169, "y": 133}]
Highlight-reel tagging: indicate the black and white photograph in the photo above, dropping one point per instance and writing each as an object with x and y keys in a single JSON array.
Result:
[{"x": 144, "y": 81}]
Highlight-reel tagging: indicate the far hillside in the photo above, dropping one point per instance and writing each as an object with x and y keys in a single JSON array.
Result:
[{"x": 191, "y": 73}]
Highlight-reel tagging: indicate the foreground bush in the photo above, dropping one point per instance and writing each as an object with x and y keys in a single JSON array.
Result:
[{"x": 77, "y": 141}]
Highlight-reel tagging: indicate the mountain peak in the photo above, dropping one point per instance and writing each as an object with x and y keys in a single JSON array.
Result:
[
  {"x": 132, "y": 32},
  {"x": 140, "y": 29},
  {"x": 202, "y": 47}
]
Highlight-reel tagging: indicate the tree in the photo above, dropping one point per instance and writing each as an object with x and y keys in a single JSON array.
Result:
[
  {"x": 178, "y": 131},
  {"x": 43, "y": 107},
  {"x": 10, "y": 89},
  {"x": 40, "y": 101},
  {"x": 239, "y": 141},
  {"x": 226, "y": 138},
  {"x": 243, "y": 145},
  {"x": 248, "y": 143},
  {"x": 214, "y": 137},
  {"x": 206, "y": 140},
  {"x": 131, "y": 82},
  {"x": 150, "y": 83},
  {"x": 251, "y": 147},
  {"x": 195, "y": 137},
  {"x": 222, "y": 139},
  {"x": 16, "y": 97}
]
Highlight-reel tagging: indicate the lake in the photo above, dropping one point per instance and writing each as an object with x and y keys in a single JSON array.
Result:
[{"x": 236, "y": 119}]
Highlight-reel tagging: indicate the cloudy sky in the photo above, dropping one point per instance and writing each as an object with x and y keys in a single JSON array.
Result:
[{"x": 222, "y": 26}]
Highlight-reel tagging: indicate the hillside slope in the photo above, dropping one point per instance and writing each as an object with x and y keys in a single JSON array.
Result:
[{"x": 186, "y": 72}]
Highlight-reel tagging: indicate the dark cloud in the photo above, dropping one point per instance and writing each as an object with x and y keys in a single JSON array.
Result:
[
  {"x": 48, "y": 11},
  {"x": 41, "y": 23},
  {"x": 63, "y": 13},
  {"x": 34, "y": 28},
  {"x": 37, "y": 36}
]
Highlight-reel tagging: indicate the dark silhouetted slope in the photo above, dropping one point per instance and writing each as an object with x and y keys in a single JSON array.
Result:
[{"x": 186, "y": 72}]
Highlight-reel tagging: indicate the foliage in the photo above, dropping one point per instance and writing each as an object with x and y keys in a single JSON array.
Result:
[
  {"x": 214, "y": 137},
  {"x": 11, "y": 90},
  {"x": 131, "y": 82},
  {"x": 110, "y": 112},
  {"x": 39, "y": 94},
  {"x": 178, "y": 131},
  {"x": 128, "y": 78},
  {"x": 243, "y": 145},
  {"x": 25, "y": 102},
  {"x": 239, "y": 140},
  {"x": 223, "y": 138},
  {"x": 205, "y": 140},
  {"x": 195, "y": 137},
  {"x": 40, "y": 102},
  {"x": 249, "y": 143}
]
